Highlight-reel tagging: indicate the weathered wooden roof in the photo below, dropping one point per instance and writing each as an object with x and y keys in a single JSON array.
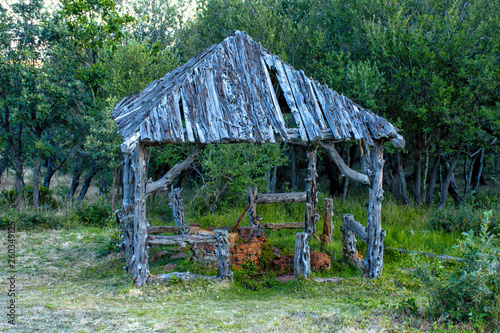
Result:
[{"x": 237, "y": 91}]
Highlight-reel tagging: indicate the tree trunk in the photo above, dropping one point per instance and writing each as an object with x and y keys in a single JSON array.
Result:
[
  {"x": 36, "y": 179},
  {"x": 3, "y": 165},
  {"x": 178, "y": 210},
  {"x": 433, "y": 179},
  {"x": 417, "y": 175},
  {"x": 447, "y": 179},
  {"x": 77, "y": 172},
  {"x": 402, "y": 180},
  {"x": 113, "y": 192},
  {"x": 86, "y": 183},
  {"x": 476, "y": 170},
  {"x": 102, "y": 184}
]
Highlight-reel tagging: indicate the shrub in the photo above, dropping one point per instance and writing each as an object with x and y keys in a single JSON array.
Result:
[
  {"x": 468, "y": 291},
  {"x": 47, "y": 199},
  {"x": 97, "y": 214},
  {"x": 461, "y": 219},
  {"x": 30, "y": 219}
]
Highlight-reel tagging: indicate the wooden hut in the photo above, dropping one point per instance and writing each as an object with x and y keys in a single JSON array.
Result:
[{"x": 235, "y": 92}]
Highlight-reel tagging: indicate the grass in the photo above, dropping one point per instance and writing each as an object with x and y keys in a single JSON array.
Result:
[
  {"x": 63, "y": 287},
  {"x": 67, "y": 283}
]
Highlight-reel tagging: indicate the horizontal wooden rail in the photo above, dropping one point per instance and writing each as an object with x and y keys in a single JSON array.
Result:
[
  {"x": 350, "y": 224},
  {"x": 162, "y": 229},
  {"x": 179, "y": 239},
  {"x": 280, "y": 198},
  {"x": 281, "y": 226}
]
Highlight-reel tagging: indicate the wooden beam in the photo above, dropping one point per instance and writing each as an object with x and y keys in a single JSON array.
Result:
[
  {"x": 166, "y": 180},
  {"x": 311, "y": 214},
  {"x": 348, "y": 223},
  {"x": 281, "y": 226},
  {"x": 126, "y": 214},
  {"x": 162, "y": 229},
  {"x": 281, "y": 198},
  {"x": 222, "y": 254},
  {"x": 179, "y": 239},
  {"x": 140, "y": 264},
  {"x": 374, "y": 160},
  {"x": 344, "y": 169},
  {"x": 349, "y": 241},
  {"x": 326, "y": 237}
]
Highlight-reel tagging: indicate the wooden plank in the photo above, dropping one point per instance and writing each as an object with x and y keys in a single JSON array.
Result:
[
  {"x": 280, "y": 198},
  {"x": 282, "y": 226},
  {"x": 179, "y": 239}
]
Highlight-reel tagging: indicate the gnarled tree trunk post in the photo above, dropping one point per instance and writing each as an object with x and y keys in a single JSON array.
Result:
[
  {"x": 311, "y": 215},
  {"x": 253, "y": 219},
  {"x": 326, "y": 238},
  {"x": 222, "y": 254},
  {"x": 126, "y": 214},
  {"x": 375, "y": 235},
  {"x": 302, "y": 259},
  {"x": 178, "y": 210},
  {"x": 349, "y": 241},
  {"x": 140, "y": 264}
]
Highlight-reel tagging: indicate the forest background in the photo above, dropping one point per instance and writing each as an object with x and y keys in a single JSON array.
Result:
[{"x": 431, "y": 67}]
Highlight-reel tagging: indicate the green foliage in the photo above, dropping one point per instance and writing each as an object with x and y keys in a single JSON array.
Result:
[
  {"x": 30, "y": 219},
  {"x": 229, "y": 169},
  {"x": 108, "y": 245},
  {"x": 47, "y": 198},
  {"x": 97, "y": 214},
  {"x": 461, "y": 219},
  {"x": 470, "y": 290}
]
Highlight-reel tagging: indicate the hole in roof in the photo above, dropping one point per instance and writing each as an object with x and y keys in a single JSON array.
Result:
[
  {"x": 181, "y": 109},
  {"x": 280, "y": 96}
]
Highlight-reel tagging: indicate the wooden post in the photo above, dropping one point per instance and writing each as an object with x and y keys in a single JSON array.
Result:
[
  {"x": 178, "y": 210},
  {"x": 126, "y": 214},
  {"x": 252, "y": 212},
  {"x": 326, "y": 238},
  {"x": 302, "y": 259},
  {"x": 374, "y": 159},
  {"x": 349, "y": 240},
  {"x": 222, "y": 254},
  {"x": 140, "y": 264},
  {"x": 311, "y": 216}
]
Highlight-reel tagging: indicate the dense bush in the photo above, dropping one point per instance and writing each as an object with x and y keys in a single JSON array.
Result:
[
  {"x": 97, "y": 214},
  {"x": 463, "y": 218},
  {"x": 469, "y": 290},
  {"x": 47, "y": 199},
  {"x": 30, "y": 219}
]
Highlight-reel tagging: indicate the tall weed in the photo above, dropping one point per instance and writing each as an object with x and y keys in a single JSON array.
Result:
[{"x": 468, "y": 291}]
